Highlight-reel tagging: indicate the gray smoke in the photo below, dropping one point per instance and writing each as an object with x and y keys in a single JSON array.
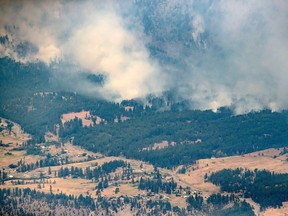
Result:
[{"x": 213, "y": 53}]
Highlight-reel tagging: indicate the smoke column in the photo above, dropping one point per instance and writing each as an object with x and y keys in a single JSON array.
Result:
[{"x": 212, "y": 53}]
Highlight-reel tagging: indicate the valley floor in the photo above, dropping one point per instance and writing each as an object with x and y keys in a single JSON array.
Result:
[{"x": 272, "y": 159}]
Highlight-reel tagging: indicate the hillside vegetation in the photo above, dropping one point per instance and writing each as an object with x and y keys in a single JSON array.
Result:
[{"x": 30, "y": 99}]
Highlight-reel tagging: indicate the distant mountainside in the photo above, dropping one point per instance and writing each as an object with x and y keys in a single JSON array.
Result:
[
  {"x": 30, "y": 99},
  {"x": 144, "y": 107}
]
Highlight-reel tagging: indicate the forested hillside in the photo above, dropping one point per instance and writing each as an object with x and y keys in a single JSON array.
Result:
[
  {"x": 197, "y": 135},
  {"x": 266, "y": 188},
  {"x": 144, "y": 107},
  {"x": 29, "y": 98}
]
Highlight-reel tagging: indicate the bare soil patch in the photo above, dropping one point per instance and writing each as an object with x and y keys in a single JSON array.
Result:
[
  {"x": 6, "y": 159},
  {"x": 84, "y": 115},
  {"x": 283, "y": 211},
  {"x": 124, "y": 189},
  {"x": 71, "y": 150},
  {"x": 50, "y": 137},
  {"x": 66, "y": 186},
  {"x": 177, "y": 201},
  {"x": 16, "y": 136}
]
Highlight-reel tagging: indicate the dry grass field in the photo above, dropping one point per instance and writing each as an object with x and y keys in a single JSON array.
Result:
[
  {"x": 283, "y": 211},
  {"x": 66, "y": 186},
  {"x": 50, "y": 137},
  {"x": 14, "y": 139},
  {"x": 84, "y": 115},
  {"x": 177, "y": 201},
  {"x": 124, "y": 189},
  {"x": 257, "y": 160},
  {"x": 16, "y": 156},
  {"x": 16, "y": 136},
  {"x": 270, "y": 159},
  {"x": 134, "y": 165},
  {"x": 161, "y": 145}
]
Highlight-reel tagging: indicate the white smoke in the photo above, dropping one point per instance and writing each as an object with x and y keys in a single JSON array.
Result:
[
  {"x": 243, "y": 64},
  {"x": 105, "y": 45},
  {"x": 198, "y": 29},
  {"x": 90, "y": 34},
  {"x": 30, "y": 21}
]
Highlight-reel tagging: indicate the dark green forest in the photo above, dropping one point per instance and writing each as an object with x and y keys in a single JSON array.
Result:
[
  {"x": 221, "y": 134},
  {"x": 29, "y": 97},
  {"x": 266, "y": 188}
]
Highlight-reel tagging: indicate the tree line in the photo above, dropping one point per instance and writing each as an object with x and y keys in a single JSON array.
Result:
[
  {"x": 95, "y": 173},
  {"x": 269, "y": 189}
]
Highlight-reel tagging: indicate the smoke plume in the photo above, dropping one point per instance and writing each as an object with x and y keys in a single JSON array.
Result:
[{"x": 212, "y": 53}]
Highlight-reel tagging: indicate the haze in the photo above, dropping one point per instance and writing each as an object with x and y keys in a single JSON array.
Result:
[{"x": 212, "y": 53}]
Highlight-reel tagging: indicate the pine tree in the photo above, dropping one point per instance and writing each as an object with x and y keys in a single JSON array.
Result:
[{"x": 49, "y": 171}]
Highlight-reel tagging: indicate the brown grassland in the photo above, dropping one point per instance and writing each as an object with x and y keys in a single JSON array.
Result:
[
  {"x": 85, "y": 116},
  {"x": 270, "y": 159}
]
